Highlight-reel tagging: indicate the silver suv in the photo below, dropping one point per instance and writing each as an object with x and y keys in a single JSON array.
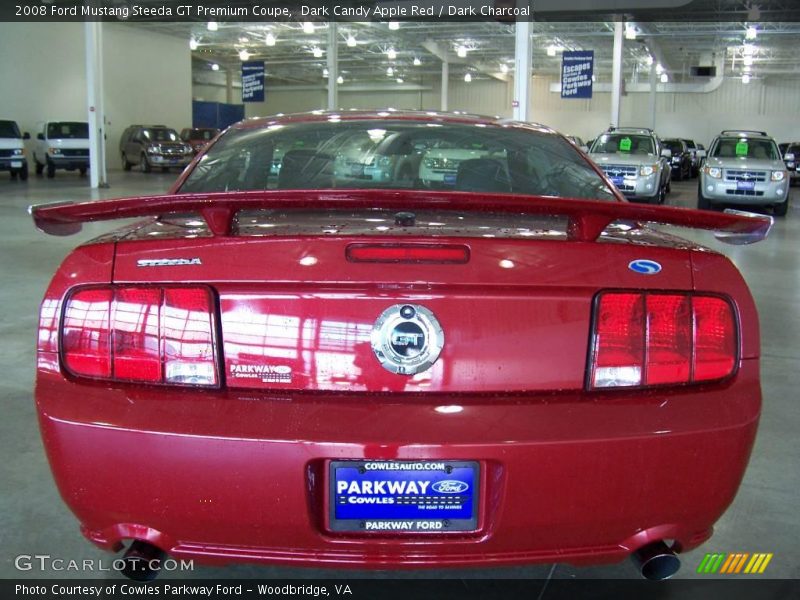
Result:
[
  {"x": 744, "y": 167},
  {"x": 635, "y": 161}
]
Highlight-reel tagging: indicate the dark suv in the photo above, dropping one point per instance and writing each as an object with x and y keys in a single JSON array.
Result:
[
  {"x": 681, "y": 159},
  {"x": 153, "y": 146},
  {"x": 198, "y": 137}
]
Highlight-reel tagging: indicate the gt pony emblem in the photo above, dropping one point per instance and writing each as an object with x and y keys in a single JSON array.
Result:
[
  {"x": 644, "y": 266},
  {"x": 407, "y": 339},
  {"x": 450, "y": 486}
]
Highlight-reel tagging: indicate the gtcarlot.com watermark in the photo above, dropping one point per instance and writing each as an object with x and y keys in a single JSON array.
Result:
[{"x": 47, "y": 562}]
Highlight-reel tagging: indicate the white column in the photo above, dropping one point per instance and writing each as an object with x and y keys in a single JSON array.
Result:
[
  {"x": 445, "y": 84},
  {"x": 523, "y": 62},
  {"x": 333, "y": 66},
  {"x": 93, "y": 34},
  {"x": 653, "y": 86},
  {"x": 616, "y": 74}
]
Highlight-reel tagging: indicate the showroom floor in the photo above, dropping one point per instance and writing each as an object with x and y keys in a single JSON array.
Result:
[{"x": 33, "y": 520}]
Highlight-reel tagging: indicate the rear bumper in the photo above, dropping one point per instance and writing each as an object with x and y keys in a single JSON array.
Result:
[{"x": 241, "y": 476}]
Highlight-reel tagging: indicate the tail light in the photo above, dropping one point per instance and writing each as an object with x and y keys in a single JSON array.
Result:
[
  {"x": 161, "y": 335},
  {"x": 408, "y": 253},
  {"x": 655, "y": 338}
]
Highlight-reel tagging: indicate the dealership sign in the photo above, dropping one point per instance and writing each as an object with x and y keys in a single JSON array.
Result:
[
  {"x": 577, "y": 68},
  {"x": 253, "y": 81}
]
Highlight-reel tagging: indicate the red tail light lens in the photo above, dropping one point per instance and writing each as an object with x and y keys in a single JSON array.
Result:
[
  {"x": 646, "y": 339},
  {"x": 408, "y": 253},
  {"x": 147, "y": 334}
]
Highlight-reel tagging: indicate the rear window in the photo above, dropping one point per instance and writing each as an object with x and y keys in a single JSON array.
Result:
[
  {"x": 404, "y": 154},
  {"x": 67, "y": 131},
  {"x": 743, "y": 147},
  {"x": 673, "y": 146},
  {"x": 9, "y": 129}
]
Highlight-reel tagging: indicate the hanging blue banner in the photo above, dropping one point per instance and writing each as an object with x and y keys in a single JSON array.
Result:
[
  {"x": 577, "y": 68},
  {"x": 253, "y": 81}
]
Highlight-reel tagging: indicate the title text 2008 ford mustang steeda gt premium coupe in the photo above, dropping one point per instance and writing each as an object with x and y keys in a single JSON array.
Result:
[{"x": 499, "y": 364}]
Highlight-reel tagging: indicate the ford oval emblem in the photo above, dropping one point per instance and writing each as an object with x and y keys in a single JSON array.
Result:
[
  {"x": 644, "y": 266},
  {"x": 450, "y": 486}
]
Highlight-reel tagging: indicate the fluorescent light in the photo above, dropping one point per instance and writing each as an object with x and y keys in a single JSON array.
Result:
[
  {"x": 461, "y": 51},
  {"x": 630, "y": 32},
  {"x": 664, "y": 78},
  {"x": 212, "y": 26},
  {"x": 317, "y": 51},
  {"x": 308, "y": 27},
  {"x": 340, "y": 80},
  {"x": 468, "y": 78},
  {"x": 324, "y": 72},
  {"x": 244, "y": 55},
  {"x": 394, "y": 25},
  {"x": 551, "y": 50},
  {"x": 351, "y": 41},
  {"x": 504, "y": 68},
  {"x": 270, "y": 39},
  {"x": 391, "y": 53},
  {"x": 214, "y": 67},
  {"x": 390, "y": 72},
  {"x": 751, "y": 33},
  {"x": 746, "y": 78},
  {"x": 417, "y": 62},
  {"x": 192, "y": 44}
]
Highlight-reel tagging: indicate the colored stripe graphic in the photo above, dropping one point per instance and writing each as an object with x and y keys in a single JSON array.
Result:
[{"x": 734, "y": 563}]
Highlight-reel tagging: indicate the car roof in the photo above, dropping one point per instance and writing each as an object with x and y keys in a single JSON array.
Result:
[{"x": 320, "y": 116}]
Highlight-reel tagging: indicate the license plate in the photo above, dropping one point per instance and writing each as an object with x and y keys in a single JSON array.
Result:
[
  {"x": 450, "y": 178},
  {"x": 618, "y": 181},
  {"x": 404, "y": 496},
  {"x": 356, "y": 169},
  {"x": 16, "y": 164},
  {"x": 745, "y": 185}
]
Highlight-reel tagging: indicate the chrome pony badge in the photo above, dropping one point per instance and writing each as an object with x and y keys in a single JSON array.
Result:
[
  {"x": 644, "y": 266},
  {"x": 407, "y": 339}
]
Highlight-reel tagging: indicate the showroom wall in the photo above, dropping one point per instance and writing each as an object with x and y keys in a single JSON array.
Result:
[
  {"x": 147, "y": 77},
  {"x": 770, "y": 104}
]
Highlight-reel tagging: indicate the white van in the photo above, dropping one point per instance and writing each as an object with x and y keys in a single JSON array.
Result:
[
  {"x": 62, "y": 145},
  {"x": 12, "y": 150}
]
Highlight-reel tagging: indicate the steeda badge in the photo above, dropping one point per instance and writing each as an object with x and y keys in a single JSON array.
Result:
[{"x": 407, "y": 339}]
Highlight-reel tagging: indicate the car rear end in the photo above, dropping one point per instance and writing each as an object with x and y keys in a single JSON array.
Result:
[{"x": 321, "y": 379}]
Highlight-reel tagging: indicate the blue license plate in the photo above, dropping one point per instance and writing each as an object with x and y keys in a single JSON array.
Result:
[
  {"x": 404, "y": 496},
  {"x": 745, "y": 185},
  {"x": 617, "y": 181},
  {"x": 450, "y": 178}
]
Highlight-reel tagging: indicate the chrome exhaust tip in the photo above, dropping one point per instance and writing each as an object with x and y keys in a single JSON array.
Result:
[
  {"x": 656, "y": 561},
  {"x": 142, "y": 561}
]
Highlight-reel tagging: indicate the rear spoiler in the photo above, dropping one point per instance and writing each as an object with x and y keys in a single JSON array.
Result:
[{"x": 587, "y": 218}]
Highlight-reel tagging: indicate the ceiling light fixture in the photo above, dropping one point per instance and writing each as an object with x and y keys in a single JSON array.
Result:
[
  {"x": 308, "y": 27},
  {"x": 399, "y": 80},
  {"x": 351, "y": 41},
  {"x": 325, "y": 73},
  {"x": 747, "y": 61},
  {"x": 317, "y": 52},
  {"x": 391, "y": 53},
  {"x": 751, "y": 33},
  {"x": 748, "y": 49},
  {"x": 745, "y": 78},
  {"x": 630, "y": 32},
  {"x": 390, "y": 72},
  {"x": 504, "y": 68},
  {"x": 394, "y": 25},
  {"x": 244, "y": 54},
  {"x": 468, "y": 78},
  {"x": 551, "y": 50},
  {"x": 747, "y": 68},
  {"x": 659, "y": 69},
  {"x": 417, "y": 62},
  {"x": 461, "y": 51},
  {"x": 270, "y": 39},
  {"x": 664, "y": 78},
  {"x": 214, "y": 67},
  {"x": 340, "y": 80},
  {"x": 193, "y": 44},
  {"x": 212, "y": 26}
]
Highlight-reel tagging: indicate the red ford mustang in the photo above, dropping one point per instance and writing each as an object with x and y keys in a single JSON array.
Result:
[{"x": 397, "y": 340}]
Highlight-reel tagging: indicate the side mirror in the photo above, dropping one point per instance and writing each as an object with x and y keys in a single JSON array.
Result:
[
  {"x": 789, "y": 157},
  {"x": 666, "y": 153},
  {"x": 39, "y": 136},
  {"x": 26, "y": 136},
  {"x": 700, "y": 153}
]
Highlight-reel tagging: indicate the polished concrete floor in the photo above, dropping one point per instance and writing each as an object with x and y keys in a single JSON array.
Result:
[{"x": 33, "y": 519}]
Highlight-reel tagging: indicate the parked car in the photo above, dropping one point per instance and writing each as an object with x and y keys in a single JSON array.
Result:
[
  {"x": 12, "y": 150},
  {"x": 151, "y": 146},
  {"x": 198, "y": 137},
  {"x": 635, "y": 161},
  {"x": 578, "y": 142},
  {"x": 791, "y": 156},
  {"x": 62, "y": 145},
  {"x": 744, "y": 167},
  {"x": 681, "y": 159},
  {"x": 697, "y": 159},
  {"x": 366, "y": 374}
]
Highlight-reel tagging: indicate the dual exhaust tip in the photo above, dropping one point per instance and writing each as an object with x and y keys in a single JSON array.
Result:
[{"x": 655, "y": 561}]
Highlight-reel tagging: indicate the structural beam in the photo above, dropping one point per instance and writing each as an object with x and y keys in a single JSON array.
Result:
[
  {"x": 445, "y": 84},
  {"x": 653, "y": 87},
  {"x": 93, "y": 33},
  {"x": 523, "y": 62},
  {"x": 616, "y": 74},
  {"x": 333, "y": 66}
]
